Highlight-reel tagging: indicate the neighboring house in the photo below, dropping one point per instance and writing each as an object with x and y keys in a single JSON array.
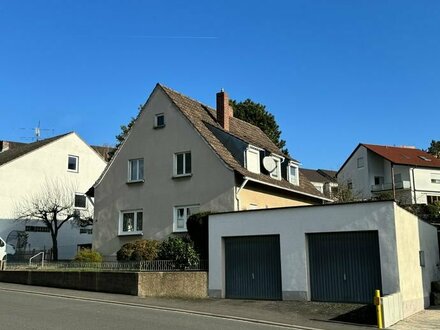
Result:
[
  {"x": 323, "y": 180},
  {"x": 409, "y": 175},
  {"x": 333, "y": 252},
  {"x": 27, "y": 169},
  {"x": 181, "y": 157}
]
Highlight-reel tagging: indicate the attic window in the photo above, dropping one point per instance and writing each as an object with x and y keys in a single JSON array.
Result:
[
  {"x": 293, "y": 174},
  {"x": 425, "y": 158},
  {"x": 252, "y": 159},
  {"x": 159, "y": 120},
  {"x": 72, "y": 163}
]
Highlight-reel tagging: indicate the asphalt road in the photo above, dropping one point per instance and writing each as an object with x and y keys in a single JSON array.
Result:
[{"x": 25, "y": 310}]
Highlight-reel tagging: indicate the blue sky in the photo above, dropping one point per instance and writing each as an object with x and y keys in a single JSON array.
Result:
[{"x": 334, "y": 73}]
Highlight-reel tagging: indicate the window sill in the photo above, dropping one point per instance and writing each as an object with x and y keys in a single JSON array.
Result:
[
  {"x": 180, "y": 231},
  {"x": 135, "y": 181},
  {"x": 159, "y": 126},
  {"x": 135, "y": 233},
  {"x": 73, "y": 171},
  {"x": 182, "y": 176}
]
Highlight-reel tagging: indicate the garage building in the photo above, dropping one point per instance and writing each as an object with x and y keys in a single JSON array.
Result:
[{"x": 335, "y": 252}]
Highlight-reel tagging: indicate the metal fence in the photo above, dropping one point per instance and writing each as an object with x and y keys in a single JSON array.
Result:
[{"x": 129, "y": 266}]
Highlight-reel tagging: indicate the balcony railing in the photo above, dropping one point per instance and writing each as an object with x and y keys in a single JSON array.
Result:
[{"x": 389, "y": 186}]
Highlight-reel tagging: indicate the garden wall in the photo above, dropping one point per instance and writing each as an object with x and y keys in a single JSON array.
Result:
[{"x": 146, "y": 284}]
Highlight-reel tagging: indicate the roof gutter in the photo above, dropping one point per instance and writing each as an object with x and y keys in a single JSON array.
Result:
[{"x": 283, "y": 188}]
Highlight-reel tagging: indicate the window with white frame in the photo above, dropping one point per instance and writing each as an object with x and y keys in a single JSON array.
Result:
[
  {"x": 159, "y": 120},
  {"x": 80, "y": 201},
  {"x": 360, "y": 162},
  {"x": 136, "y": 170},
  {"x": 276, "y": 173},
  {"x": 131, "y": 222},
  {"x": 182, "y": 163},
  {"x": 72, "y": 163},
  {"x": 252, "y": 158},
  {"x": 293, "y": 175},
  {"x": 181, "y": 215}
]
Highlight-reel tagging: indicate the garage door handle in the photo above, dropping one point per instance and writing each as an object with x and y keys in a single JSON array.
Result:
[
  {"x": 253, "y": 276},
  {"x": 345, "y": 277}
]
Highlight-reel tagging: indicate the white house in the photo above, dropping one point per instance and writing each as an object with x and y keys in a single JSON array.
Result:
[
  {"x": 407, "y": 174},
  {"x": 27, "y": 169},
  {"x": 332, "y": 252},
  {"x": 181, "y": 157}
]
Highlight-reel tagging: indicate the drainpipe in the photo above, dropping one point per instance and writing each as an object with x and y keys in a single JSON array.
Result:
[
  {"x": 392, "y": 182},
  {"x": 238, "y": 191},
  {"x": 414, "y": 186}
]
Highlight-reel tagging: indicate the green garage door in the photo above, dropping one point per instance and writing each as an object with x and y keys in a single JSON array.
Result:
[
  {"x": 253, "y": 267},
  {"x": 344, "y": 266}
]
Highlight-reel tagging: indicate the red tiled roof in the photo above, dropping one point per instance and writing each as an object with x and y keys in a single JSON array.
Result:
[{"x": 404, "y": 155}]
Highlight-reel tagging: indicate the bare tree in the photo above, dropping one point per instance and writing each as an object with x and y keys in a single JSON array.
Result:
[{"x": 54, "y": 206}]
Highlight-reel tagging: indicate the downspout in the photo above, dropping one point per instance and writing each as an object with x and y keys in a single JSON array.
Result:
[
  {"x": 414, "y": 186},
  {"x": 392, "y": 181},
  {"x": 238, "y": 191}
]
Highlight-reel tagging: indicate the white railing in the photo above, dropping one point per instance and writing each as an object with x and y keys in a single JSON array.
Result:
[
  {"x": 38, "y": 254},
  {"x": 389, "y": 186}
]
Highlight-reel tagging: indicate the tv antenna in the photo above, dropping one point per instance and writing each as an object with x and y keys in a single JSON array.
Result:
[{"x": 37, "y": 132}]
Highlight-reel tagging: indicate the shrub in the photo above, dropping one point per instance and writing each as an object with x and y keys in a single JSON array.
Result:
[
  {"x": 139, "y": 250},
  {"x": 197, "y": 226},
  {"x": 180, "y": 251},
  {"x": 87, "y": 255}
]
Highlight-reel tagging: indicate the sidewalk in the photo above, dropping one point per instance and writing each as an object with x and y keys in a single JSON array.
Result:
[{"x": 425, "y": 320}]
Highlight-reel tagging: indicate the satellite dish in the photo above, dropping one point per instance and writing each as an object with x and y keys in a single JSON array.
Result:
[{"x": 269, "y": 164}]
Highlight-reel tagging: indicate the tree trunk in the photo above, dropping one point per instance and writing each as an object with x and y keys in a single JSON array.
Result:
[{"x": 54, "y": 248}]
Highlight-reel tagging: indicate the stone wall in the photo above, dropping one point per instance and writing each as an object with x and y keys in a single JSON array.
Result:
[
  {"x": 154, "y": 284},
  {"x": 173, "y": 284}
]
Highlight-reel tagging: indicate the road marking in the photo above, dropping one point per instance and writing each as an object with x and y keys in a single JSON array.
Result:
[{"x": 165, "y": 309}]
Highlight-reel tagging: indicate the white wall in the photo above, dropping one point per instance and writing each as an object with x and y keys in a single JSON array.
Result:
[
  {"x": 358, "y": 176},
  {"x": 423, "y": 184},
  {"x": 29, "y": 174},
  {"x": 292, "y": 224}
]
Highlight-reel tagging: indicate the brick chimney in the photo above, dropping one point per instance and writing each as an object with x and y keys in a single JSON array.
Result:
[{"x": 224, "y": 111}]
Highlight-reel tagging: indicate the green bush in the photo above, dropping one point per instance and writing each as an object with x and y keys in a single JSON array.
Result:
[
  {"x": 139, "y": 250},
  {"x": 180, "y": 251},
  {"x": 87, "y": 255}
]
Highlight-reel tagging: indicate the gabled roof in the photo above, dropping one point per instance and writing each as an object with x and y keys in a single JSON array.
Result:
[
  {"x": 408, "y": 156},
  {"x": 319, "y": 175},
  {"x": 9, "y": 155},
  {"x": 404, "y": 155},
  {"x": 201, "y": 117}
]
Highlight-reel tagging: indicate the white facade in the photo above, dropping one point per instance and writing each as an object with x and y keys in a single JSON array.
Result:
[
  {"x": 29, "y": 174},
  {"x": 401, "y": 237},
  {"x": 370, "y": 175}
]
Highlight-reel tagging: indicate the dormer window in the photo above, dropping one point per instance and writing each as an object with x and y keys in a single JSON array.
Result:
[
  {"x": 292, "y": 173},
  {"x": 252, "y": 159}
]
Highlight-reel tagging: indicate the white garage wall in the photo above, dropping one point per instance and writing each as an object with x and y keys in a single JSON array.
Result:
[{"x": 292, "y": 224}]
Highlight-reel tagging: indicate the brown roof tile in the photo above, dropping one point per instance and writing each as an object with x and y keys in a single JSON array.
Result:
[
  {"x": 201, "y": 116},
  {"x": 404, "y": 155},
  {"x": 10, "y": 155}
]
